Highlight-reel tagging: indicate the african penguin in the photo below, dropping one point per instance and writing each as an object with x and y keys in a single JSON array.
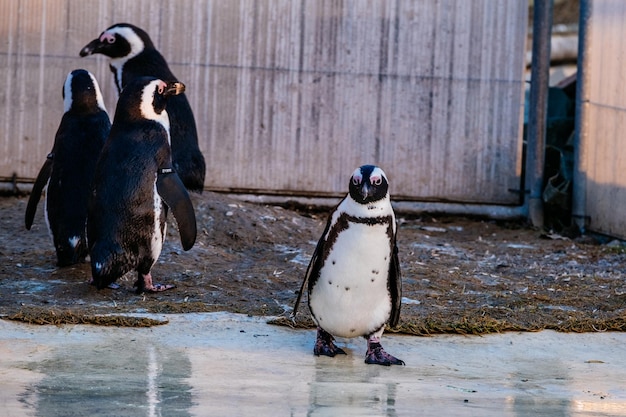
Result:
[
  {"x": 354, "y": 282},
  {"x": 133, "y": 55},
  {"x": 133, "y": 187},
  {"x": 69, "y": 168}
]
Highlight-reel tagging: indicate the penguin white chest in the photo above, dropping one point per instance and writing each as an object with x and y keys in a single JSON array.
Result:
[
  {"x": 158, "y": 234},
  {"x": 351, "y": 297}
]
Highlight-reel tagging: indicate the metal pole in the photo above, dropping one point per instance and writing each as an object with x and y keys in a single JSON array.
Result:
[
  {"x": 536, "y": 133},
  {"x": 579, "y": 187}
]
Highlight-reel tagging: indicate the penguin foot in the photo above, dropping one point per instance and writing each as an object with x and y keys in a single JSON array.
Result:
[
  {"x": 376, "y": 355},
  {"x": 112, "y": 285},
  {"x": 325, "y": 345},
  {"x": 159, "y": 287},
  {"x": 144, "y": 284}
]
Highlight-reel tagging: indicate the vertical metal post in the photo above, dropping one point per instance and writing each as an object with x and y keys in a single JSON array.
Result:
[
  {"x": 579, "y": 187},
  {"x": 539, "y": 83}
]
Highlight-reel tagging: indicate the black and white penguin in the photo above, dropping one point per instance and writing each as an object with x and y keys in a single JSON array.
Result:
[
  {"x": 354, "y": 282},
  {"x": 133, "y": 187},
  {"x": 133, "y": 55},
  {"x": 69, "y": 168}
]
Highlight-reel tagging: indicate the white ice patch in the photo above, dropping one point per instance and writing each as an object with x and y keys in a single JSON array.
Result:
[{"x": 299, "y": 256}]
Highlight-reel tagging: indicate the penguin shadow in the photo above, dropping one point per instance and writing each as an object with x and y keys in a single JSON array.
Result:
[{"x": 344, "y": 385}]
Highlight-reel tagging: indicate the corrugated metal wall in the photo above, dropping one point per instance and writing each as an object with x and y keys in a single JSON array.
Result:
[
  {"x": 602, "y": 122},
  {"x": 290, "y": 96}
]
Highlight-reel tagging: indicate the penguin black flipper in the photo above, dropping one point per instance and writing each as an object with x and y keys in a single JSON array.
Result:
[
  {"x": 395, "y": 287},
  {"x": 313, "y": 269},
  {"x": 173, "y": 192},
  {"x": 35, "y": 195}
]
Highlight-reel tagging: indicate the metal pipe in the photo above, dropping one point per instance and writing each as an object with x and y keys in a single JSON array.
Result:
[
  {"x": 496, "y": 212},
  {"x": 579, "y": 187},
  {"x": 536, "y": 133}
]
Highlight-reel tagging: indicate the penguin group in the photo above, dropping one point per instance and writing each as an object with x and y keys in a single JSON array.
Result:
[{"x": 109, "y": 188}]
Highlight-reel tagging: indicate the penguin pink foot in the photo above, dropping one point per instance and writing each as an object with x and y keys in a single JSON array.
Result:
[
  {"x": 376, "y": 355},
  {"x": 144, "y": 284},
  {"x": 324, "y": 344}
]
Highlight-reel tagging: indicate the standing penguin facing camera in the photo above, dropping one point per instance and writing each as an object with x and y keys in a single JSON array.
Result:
[
  {"x": 69, "y": 168},
  {"x": 354, "y": 282},
  {"x": 133, "y": 187},
  {"x": 133, "y": 55}
]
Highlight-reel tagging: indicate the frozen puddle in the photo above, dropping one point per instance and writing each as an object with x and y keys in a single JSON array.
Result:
[{"x": 231, "y": 365}]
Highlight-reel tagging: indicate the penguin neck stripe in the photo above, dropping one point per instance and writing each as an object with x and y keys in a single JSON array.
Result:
[{"x": 370, "y": 221}]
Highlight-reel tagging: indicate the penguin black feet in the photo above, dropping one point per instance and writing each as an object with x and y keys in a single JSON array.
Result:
[
  {"x": 325, "y": 345},
  {"x": 376, "y": 355},
  {"x": 144, "y": 284}
]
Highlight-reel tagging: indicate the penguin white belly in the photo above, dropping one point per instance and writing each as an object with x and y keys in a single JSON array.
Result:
[
  {"x": 351, "y": 297},
  {"x": 158, "y": 234}
]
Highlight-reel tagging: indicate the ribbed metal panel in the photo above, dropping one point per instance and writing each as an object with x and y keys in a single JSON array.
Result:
[
  {"x": 602, "y": 152},
  {"x": 291, "y": 96}
]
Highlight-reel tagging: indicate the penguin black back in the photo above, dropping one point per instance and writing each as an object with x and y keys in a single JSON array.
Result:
[
  {"x": 69, "y": 168},
  {"x": 133, "y": 55}
]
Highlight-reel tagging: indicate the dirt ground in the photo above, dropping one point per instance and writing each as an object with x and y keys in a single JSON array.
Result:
[{"x": 459, "y": 275}]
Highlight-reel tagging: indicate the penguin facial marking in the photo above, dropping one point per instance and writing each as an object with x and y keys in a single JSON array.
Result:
[
  {"x": 107, "y": 37},
  {"x": 135, "y": 43},
  {"x": 125, "y": 44},
  {"x": 99, "y": 98},
  {"x": 368, "y": 184},
  {"x": 87, "y": 90},
  {"x": 153, "y": 104}
]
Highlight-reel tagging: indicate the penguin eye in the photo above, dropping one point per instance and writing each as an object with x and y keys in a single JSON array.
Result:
[
  {"x": 111, "y": 39},
  {"x": 377, "y": 181},
  {"x": 160, "y": 89},
  {"x": 356, "y": 180}
]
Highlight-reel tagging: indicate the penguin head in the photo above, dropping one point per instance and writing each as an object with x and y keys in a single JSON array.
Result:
[
  {"x": 121, "y": 40},
  {"x": 368, "y": 184},
  {"x": 81, "y": 93},
  {"x": 146, "y": 98}
]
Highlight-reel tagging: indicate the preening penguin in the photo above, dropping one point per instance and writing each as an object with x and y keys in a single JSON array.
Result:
[
  {"x": 354, "y": 282},
  {"x": 69, "y": 168},
  {"x": 133, "y": 187},
  {"x": 133, "y": 55}
]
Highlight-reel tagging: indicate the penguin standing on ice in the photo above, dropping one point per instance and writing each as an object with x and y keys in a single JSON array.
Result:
[
  {"x": 354, "y": 283},
  {"x": 133, "y": 187},
  {"x": 133, "y": 55},
  {"x": 67, "y": 173}
]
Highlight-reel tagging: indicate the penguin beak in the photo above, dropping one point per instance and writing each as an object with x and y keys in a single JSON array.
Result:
[
  {"x": 174, "y": 88},
  {"x": 366, "y": 191},
  {"x": 91, "y": 48}
]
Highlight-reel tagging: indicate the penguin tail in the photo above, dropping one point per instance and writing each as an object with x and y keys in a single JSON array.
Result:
[
  {"x": 108, "y": 263},
  {"x": 70, "y": 251}
]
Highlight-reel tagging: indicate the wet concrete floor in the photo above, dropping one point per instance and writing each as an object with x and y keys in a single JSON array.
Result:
[{"x": 219, "y": 364}]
